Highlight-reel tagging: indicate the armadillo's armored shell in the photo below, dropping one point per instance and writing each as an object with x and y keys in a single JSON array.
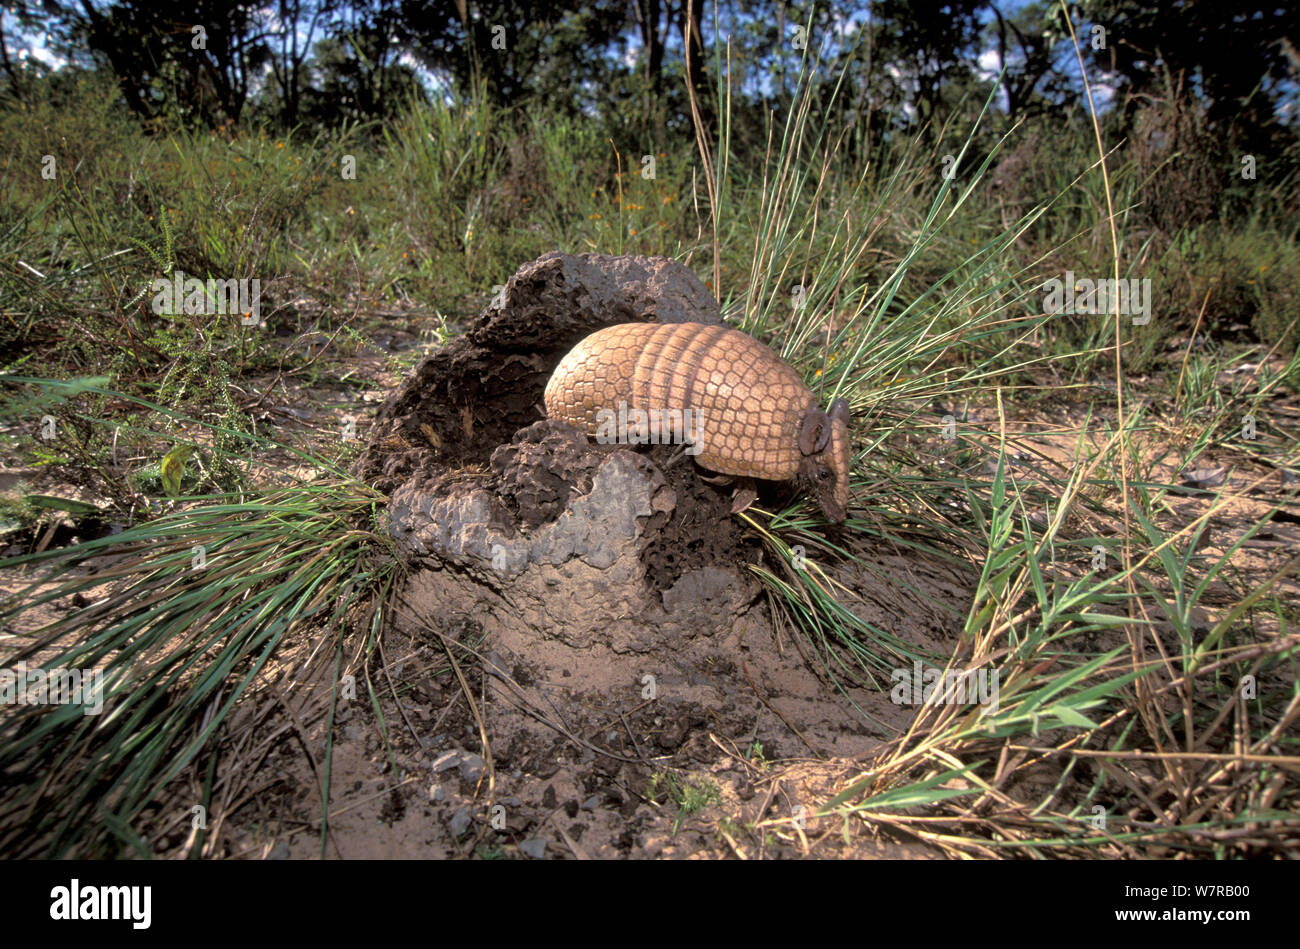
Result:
[{"x": 750, "y": 403}]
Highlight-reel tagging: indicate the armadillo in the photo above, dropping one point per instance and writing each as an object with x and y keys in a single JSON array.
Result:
[{"x": 755, "y": 417}]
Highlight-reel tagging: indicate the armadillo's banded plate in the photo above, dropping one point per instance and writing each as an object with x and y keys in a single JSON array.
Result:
[{"x": 750, "y": 403}]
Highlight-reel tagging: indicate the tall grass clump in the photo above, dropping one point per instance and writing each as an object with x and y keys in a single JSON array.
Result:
[
  {"x": 184, "y": 614},
  {"x": 1071, "y": 581}
]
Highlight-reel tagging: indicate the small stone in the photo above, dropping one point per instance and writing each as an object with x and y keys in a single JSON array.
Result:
[
  {"x": 446, "y": 762},
  {"x": 460, "y": 821},
  {"x": 280, "y": 851},
  {"x": 1204, "y": 477},
  {"x": 535, "y": 848},
  {"x": 471, "y": 766}
]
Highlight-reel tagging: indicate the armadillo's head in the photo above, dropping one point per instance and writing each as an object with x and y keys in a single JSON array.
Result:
[{"x": 824, "y": 471}]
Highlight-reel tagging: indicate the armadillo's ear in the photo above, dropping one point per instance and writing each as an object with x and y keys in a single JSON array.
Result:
[
  {"x": 815, "y": 431},
  {"x": 840, "y": 410}
]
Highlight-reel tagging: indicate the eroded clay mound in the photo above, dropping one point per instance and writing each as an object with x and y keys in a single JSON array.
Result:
[
  {"x": 624, "y": 546},
  {"x": 610, "y": 585},
  {"x": 590, "y": 543}
]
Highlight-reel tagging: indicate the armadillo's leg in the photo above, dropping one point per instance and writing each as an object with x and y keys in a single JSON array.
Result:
[
  {"x": 676, "y": 457},
  {"x": 746, "y": 494}
]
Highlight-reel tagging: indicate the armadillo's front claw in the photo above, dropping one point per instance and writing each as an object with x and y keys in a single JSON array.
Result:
[
  {"x": 745, "y": 496},
  {"x": 676, "y": 457}
]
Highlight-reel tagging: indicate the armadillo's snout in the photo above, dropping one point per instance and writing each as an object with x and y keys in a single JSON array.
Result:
[
  {"x": 834, "y": 495},
  {"x": 824, "y": 471},
  {"x": 836, "y": 508}
]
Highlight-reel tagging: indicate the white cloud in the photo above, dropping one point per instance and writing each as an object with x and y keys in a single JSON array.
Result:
[{"x": 988, "y": 65}]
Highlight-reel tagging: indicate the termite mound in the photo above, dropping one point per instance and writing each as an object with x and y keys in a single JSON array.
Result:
[{"x": 592, "y": 573}]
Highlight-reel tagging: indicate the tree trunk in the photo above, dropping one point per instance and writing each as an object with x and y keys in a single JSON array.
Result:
[{"x": 695, "y": 78}]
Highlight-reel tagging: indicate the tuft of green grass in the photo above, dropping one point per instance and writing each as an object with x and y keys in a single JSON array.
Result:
[
  {"x": 181, "y": 614},
  {"x": 183, "y": 623},
  {"x": 1074, "y": 585},
  {"x": 689, "y": 796}
]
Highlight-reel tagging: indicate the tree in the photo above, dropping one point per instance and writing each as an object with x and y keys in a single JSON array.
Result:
[
  {"x": 1238, "y": 59},
  {"x": 200, "y": 65},
  {"x": 289, "y": 59}
]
